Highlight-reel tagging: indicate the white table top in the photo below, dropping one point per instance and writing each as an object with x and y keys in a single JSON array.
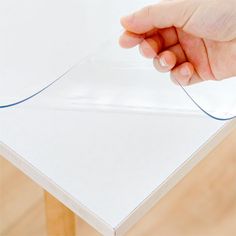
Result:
[
  {"x": 103, "y": 165},
  {"x": 108, "y": 165}
]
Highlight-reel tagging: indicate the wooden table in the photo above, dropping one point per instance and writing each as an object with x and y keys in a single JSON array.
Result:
[{"x": 66, "y": 167}]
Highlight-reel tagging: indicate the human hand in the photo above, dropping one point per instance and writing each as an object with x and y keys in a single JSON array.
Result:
[{"x": 193, "y": 39}]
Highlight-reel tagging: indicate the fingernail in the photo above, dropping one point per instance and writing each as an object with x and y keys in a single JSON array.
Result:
[
  {"x": 184, "y": 71},
  {"x": 163, "y": 62}
]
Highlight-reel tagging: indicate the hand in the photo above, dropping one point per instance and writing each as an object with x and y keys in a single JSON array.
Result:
[{"x": 193, "y": 39}]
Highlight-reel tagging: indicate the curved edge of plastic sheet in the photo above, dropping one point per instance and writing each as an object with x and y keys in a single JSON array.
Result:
[{"x": 116, "y": 78}]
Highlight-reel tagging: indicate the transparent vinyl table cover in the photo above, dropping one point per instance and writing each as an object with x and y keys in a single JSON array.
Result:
[{"x": 117, "y": 79}]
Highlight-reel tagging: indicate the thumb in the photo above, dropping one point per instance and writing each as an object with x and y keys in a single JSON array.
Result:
[{"x": 162, "y": 15}]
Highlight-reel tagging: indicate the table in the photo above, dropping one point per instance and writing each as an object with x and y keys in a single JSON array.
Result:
[{"x": 108, "y": 168}]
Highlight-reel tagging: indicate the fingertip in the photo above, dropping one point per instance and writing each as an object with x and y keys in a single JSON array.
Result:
[
  {"x": 148, "y": 48},
  {"x": 124, "y": 41},
  {"x": 129, "y": 40},
  {"x": 122, "y": 21},
  {"x": 126, "y": 21},
  {"x": 182, "y": 74},
  {"x": 165, "y": 61}
]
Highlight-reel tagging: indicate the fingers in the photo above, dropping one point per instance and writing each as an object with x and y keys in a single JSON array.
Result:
[
  {"x": 162, "y": 15},
  {"x": 168, "y": 38},
  {"x": 151, "y": 46},
  {"x": 179, "y": 52},
  {"x": 184, "y": 75},
  {"x": 165, "y": 61},
  {"x": 171, "y": 60},
  {"x": 129, "y": 39},
  {"x": 151, "y": 43}
]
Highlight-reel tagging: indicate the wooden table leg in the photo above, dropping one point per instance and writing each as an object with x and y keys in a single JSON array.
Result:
[{"x": 60, "y": 220}]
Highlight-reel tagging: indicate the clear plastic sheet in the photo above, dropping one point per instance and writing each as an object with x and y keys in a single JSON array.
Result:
[
  {"x": 110, "y": 77},
  {"x": 217, "y": 99},
  {"x": 40, "y": 40},
  {"x": 117, "y": 79}
]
